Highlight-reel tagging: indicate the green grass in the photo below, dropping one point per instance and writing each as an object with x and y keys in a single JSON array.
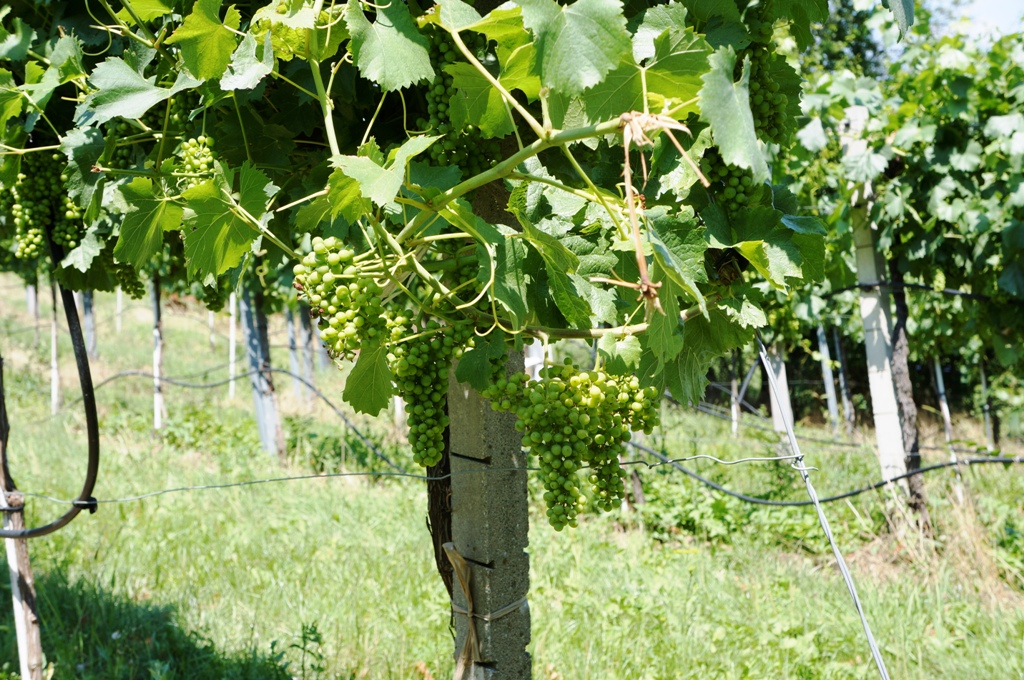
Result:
[{"x": 334, "y": 578}]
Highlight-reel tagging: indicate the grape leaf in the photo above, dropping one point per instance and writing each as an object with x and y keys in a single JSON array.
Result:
[
  {"x": 83, "y": 147},
  {"x": 477, "y": 102},
  {"x": 474, "y": 367},
  {"x": 121, "y": 91},
  {"x": 664, "y": 335},
  {"x": 10, "y": 98},
  {"x": 390, "y": 51},
  {"x": 82, "y": 257},
  {"x": 455, "y": 15},
  {"x": 246, "y": 69},
  {"x": 621, "y": 354},
  {"x": 510, "y": 277},
  {"x": 216, "y": 235},
  {"x": 679, "y": 248},
  {"x": 205, "y": 41},
  {"x": 379, "y": 184},
  {"x": 370, "y": 384},
  {"x": 216, "y": 238},
  {"x": 726, "y": 106},
  {"x": 577, "y": 45},
  {"x": 903, "y": 12},
  {"x": 345, "y": 196},
  {"x": 142, "y": 230},
  {"x": 146, "y": 10},
  {"x": 803, "y": 13},
  {"x": 600, "y": 300},
  {"x": 704, "y": 340},
  {"x": 14, "y": 44},
  {"x": 656, "y": 21}
]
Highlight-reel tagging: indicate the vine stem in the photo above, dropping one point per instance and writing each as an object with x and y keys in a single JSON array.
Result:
[
  {"x": 503, "y": 169},
  {"x": 505, "y": 94},
  {"x": 591, "y": 333},
  {"x": 325, "y": 107}
]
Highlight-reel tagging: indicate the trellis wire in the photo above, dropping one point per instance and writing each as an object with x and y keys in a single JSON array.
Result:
[{"x": 798, "y": 464}]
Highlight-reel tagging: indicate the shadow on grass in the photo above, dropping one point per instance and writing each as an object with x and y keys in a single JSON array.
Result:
[{"x": 92, "y": 634}]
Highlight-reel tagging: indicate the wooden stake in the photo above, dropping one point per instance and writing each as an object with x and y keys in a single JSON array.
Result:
[
  {"x": 23, "y": 588},
  {"x": 829, "y": 380}
]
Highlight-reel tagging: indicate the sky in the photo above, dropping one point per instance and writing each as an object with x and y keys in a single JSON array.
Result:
[{"x": 995, "y": 16}]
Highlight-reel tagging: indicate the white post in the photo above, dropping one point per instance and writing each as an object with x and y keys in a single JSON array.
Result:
[
  {"x": 54, "y": 366},
  {"x": 734, "y": 393},
  {"x": 120, "y": 309},
  {"x": 32, "y": 302},
  {"x": 232, "y": 344},
  {"x": 89, "y": 315},
  {"x": 210, "y": 322},
  {"x": 990, "y": 443},
  {"x": 158, "y": 347},
  {"x": 293, "y": 353},
  {"x": 844, "y": 387},
  {"x": 829, "y": 379},
  {"x": 534, "y": 358},
  {"x": 947, "y": 421},
  {"x": 876, "y": 317},
  {"x": 782, "y": 406}
]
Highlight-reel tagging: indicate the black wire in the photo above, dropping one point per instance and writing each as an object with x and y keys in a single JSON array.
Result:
[
  {"x": 88, "y": 398},
  {"x": 665, "y": 460},
  {"x": 179, "y": 383}
]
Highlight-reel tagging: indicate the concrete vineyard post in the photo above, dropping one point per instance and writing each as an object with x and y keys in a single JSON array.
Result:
[
  {"x": 986, "y": 408},
  {"x": 947, "y": 422},
  {"x": 876, "y": 317},
  {"x": 158, "y": 357},
  {"x": 232, "y": 344},
  {"x": 782, "y": 405},
  {"x": 293, "y": 353},
  {"x": 490, "y": 525},
  {"x": 54, "y": 366},
  {"x": 829, "y": 379},
  {"x": 844, "y": 384},
  {"x": 89, "y": 314},
  {"x": 257, "y": 349}
]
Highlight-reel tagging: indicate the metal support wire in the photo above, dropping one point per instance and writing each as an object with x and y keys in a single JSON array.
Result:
[{"x": 798, "y": 464}]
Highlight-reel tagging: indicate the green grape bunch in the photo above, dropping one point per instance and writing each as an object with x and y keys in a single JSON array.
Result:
[
  {"x": 463, "y": 147},
  {"x": 422, "y": 367},
  {"x": 122, "y": 156},
  {"x": 347, "y": 304},
  {"x": 576, "y": 421},
  {"x": 768, "y": 105},
  {"x": 732, "y": 186},
  {"x": 37, "y": 193},
  {"x": 197, "y": 159}
]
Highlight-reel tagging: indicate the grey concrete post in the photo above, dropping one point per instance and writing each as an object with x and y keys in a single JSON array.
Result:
[
  {"x": 877, "y": 320},
  {"x": 782, "y": 405},
  {"x": 490, "y": 525}
]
